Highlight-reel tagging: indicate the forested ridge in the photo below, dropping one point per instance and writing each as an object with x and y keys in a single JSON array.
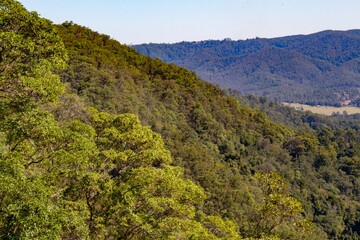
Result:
[
  {"x": 127, "y": 147},
  {"x": 317, "y": 69}
]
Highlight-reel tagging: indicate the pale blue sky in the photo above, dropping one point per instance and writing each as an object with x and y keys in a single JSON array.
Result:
[{"x": 168, "y": 21}]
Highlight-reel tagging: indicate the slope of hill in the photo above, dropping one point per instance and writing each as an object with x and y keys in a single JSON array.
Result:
[
  {"x": 321, "y": 68},
  {"x": 70, "y": 171},
  {"x": 222, "y": 144}
]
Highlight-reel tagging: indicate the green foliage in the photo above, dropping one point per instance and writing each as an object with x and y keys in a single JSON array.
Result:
[
  {"x": 276, "y": 206},
  {"x": 95, "y": 175},
  {"x": 26, "y": 209},
  {"x": 73, "y": 172},
  {"x": 30, "y": 50},
  {"x": 219, "y": 142}
]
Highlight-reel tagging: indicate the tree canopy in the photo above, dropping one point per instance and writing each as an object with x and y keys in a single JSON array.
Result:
[
  {"x": 132, "y": 148},
  {"x": 106, "y": 177}
]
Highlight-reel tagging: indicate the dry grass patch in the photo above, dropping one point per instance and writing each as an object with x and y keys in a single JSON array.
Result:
[{"x": 325, "y": 110}]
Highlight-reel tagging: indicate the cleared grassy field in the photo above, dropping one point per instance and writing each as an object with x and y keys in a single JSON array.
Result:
[{"x": 326, "y": 110}]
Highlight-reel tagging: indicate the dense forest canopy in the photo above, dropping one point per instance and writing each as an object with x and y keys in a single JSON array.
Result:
[
  {"x": 219, "y": 142},
  {"x": 100, "y": 142}
]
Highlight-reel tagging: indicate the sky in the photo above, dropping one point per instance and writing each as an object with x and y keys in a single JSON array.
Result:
[{"x": 169, "y": 21}]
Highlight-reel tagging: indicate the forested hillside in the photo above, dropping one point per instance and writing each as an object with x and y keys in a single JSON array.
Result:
[
  {"x": 222, "y": 144},
  {"x": 321, "y": 68},
  {"x": 70, "y": 172},
  {"x": 78, "y": 162}
]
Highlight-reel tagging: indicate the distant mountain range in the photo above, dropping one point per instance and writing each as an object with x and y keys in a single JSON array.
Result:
[{"x": 320, "y": 68}]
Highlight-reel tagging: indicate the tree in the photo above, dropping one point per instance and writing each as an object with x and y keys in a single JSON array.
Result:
[
  {"x": 29, "y": 51},
  {"x": 278, "y": 215},
  {"x": 149, "y": 198}
]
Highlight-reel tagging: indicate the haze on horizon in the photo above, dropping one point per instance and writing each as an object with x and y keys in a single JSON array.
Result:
[{"x": 169, "y": 21}]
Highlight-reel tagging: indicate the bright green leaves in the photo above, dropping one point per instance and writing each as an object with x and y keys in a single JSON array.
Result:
[
  {"x": 277, "y": 205},
  {"x": 38, "y": 38},
  {"x": 43, "y": 86},
  {"x": 27, "y": 211},
  {"x": 151, "y": 198},
  {"x": 32, "y": 208},
  {"x": 108, "y": 179},
  {"x": 30, "y": 50},
  {"x": 36, "y": 169},
  {"x": 34, "y": 148},
  {"x": 277, "y": 214},
  {"x": 222, "y": 229},
  {"x": 140, "y": 145}
]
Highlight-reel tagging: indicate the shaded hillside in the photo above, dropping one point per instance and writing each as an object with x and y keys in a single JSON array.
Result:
[
  {"x": 320, "y": 68},
  {"x": 225, "y": 146}
]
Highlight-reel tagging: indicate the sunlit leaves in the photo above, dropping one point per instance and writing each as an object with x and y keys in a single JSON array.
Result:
[{"x": 30, "y": 50}]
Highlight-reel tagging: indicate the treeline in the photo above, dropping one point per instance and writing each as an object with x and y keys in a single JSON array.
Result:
[{"x": 76, "y": 163}]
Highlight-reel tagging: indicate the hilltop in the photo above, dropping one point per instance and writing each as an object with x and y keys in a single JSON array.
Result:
[{"x": 321, "y": 68}]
